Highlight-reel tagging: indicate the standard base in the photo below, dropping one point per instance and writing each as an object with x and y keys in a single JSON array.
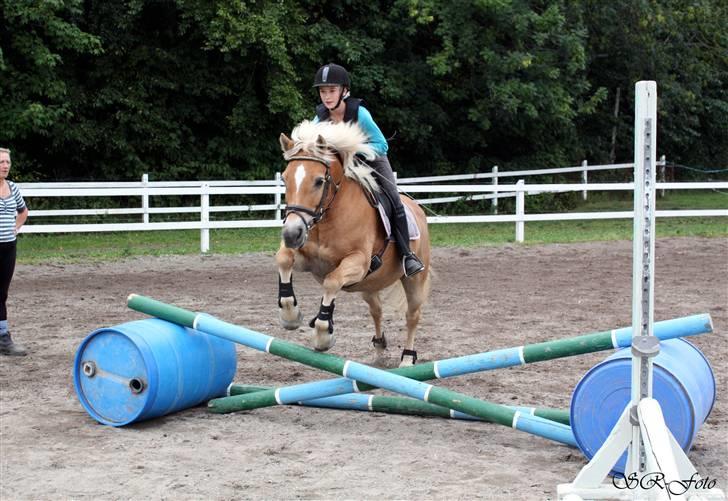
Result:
[{"x": 668, "y": 473}]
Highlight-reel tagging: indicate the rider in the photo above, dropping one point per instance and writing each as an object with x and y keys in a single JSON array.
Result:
[{"x": 336, "y": 105}]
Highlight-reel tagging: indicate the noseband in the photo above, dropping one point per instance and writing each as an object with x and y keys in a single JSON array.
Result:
[{"x": 320, "y": 210}]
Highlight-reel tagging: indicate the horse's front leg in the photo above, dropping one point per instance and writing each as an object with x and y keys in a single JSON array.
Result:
[
  {"x": 351, "y": 270},
  {"x": 288, "y": 311}
]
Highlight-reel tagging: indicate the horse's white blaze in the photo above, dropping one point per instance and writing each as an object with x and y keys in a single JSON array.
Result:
[{"x": 299, "y": 176}]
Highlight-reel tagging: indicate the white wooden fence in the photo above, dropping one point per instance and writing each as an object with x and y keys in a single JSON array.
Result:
[{"x": 273, "y": 189}]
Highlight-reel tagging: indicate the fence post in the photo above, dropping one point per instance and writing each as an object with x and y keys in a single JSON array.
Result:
[
  {"x": 205, "y": 217},
  {"x": 663, "y": 167},
  {"x": 494, "y": 202},
  {"x": 277, "y": 197},
  {"x": 520, "y": 209},
  {"x": 584, "y": 180},
  {"x": 145, "y": 198}
]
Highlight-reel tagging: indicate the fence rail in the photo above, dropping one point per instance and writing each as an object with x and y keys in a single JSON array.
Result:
[{"x": 267, "y": 188}]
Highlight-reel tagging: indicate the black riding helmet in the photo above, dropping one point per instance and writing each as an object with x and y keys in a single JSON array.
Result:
[{"x": 332, "y": 74}]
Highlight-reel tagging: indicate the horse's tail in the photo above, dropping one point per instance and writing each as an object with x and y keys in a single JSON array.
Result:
[{"x": 394, "y": 296}]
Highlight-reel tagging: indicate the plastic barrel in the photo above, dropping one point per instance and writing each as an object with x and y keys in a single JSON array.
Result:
[
  {"x": 149, "y": 368},
  {"x": 683, "y": 384}
]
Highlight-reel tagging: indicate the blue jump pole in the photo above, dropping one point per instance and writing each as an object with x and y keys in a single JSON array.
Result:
[
  {"x": 399, "y": 405},
  {"x": 507, "y": 357},
  {"x": 356, "y": 371}
]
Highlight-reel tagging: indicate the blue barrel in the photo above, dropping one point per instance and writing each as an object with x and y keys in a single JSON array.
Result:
[
  {"x": 149, "y": 368},
  {"x": 683, "y": 384}
]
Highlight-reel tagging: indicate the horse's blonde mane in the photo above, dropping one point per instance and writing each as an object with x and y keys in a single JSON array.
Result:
[{"x": 346, "y": 139}]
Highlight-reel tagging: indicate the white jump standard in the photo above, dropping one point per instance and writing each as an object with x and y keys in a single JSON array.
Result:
[{"x": 641, "y": 429}]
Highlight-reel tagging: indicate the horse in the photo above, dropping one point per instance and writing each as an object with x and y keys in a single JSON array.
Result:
[{"x": 332, "y": 229}]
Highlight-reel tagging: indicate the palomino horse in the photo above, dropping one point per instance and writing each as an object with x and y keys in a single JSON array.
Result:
[{"x": 332, "y": 230}]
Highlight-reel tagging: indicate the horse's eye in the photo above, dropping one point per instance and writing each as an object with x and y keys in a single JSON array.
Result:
[{"x": 319, "y": 182}]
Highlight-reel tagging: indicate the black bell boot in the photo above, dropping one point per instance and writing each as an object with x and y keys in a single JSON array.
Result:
[
  {"x": 7, "y": 347},
  {"x": 412, "y": 264}
]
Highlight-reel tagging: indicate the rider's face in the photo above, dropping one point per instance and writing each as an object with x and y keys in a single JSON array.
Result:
[{"x": 330, "y": 94}]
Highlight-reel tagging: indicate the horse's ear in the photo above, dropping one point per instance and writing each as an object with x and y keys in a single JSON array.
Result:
[
  {"x": 321, "y": 142},
  {"x": 286, "y": 142}
]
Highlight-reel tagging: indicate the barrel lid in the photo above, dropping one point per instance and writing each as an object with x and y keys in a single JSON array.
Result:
[
  {"x": 114, "y": 380},
  {"x": 605, "y": 391}
]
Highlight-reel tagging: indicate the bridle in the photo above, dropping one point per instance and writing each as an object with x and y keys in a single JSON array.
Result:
[{"x": 318, "y": 213}]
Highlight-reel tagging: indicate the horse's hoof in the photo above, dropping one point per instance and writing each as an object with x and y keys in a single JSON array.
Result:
[
  {"x": 380, "y": 345},
  {"x": 323, "y": 340},
  {"x": 289, "y": 314},
  {"x": 324, "y": 344},
  {"x": 409, "y": 358},
  {"x": 407, "y": 361},
  {"x": 291, "y": 325}
]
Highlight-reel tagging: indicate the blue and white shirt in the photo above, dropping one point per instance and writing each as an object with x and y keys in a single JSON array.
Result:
[{"x": 9, "y": 208}]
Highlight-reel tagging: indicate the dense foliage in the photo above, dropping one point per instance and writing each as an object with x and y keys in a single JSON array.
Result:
[{"x": 186, "y": 89}]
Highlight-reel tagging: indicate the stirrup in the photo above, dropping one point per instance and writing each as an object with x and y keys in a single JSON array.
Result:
[{"x": 412, "y": 264}]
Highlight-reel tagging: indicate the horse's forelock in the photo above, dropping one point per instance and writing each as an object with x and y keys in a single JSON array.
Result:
[{"x": 347, "y": 139}]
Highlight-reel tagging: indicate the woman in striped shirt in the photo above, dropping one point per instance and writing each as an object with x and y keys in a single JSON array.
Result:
[{"x": 13, "y": 214}]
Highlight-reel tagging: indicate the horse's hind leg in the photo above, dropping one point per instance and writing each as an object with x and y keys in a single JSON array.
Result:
[
  {"x": 289, "y": 313},
  {"x": 415, "y": 289},
  {"x": 375, "y": 310}
]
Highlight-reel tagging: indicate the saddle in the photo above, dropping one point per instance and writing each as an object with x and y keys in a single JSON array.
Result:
[
  {"x": 384, "y": 207},
  {"x": 383, "y": 204}
]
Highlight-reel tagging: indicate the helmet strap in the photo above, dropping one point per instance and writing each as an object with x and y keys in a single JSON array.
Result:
[{"x": 344, "y": 94}]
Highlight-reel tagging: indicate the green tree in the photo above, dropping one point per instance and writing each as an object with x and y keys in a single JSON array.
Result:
[
  {"x": 511, "y": 77},
  {"x": 187, "y": 89},
  {"x": 683, "y": 46},
  {"x": 37, "y": 42}
]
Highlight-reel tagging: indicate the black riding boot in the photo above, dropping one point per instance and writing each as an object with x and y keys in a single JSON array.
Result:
[{"x": 410, "y": 262}]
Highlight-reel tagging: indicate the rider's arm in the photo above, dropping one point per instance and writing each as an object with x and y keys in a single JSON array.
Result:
[{"x": 376, "y": 138}]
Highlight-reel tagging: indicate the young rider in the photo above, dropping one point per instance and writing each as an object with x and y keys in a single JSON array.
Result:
[{"x": 337, "y": 105}]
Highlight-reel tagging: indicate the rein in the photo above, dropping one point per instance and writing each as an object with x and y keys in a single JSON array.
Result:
[{"x": 318, "y": 213}]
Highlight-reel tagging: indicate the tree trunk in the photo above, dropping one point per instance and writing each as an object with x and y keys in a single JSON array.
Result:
[{"x": 613, "y": 152}]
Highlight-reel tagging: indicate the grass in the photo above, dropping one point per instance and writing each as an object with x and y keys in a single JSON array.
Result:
[
  {"x": 674, "y": 200},
  {"x": 79, "y": 247}
]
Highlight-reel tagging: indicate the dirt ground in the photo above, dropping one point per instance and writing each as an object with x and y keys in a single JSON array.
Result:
[{"x": 483, "y": 299}]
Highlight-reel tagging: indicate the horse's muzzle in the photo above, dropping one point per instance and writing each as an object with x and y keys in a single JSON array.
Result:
[{"x": 294, "y": 233}]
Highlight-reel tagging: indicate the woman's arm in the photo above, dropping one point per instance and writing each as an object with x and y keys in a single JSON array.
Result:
[{"x": 20, "y": 219}]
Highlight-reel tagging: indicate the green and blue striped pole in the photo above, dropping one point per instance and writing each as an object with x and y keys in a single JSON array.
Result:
[
  {"x": 507, "y": 357},
  {"x": 356, "y": 371},
  {"x": 398, "y": 405}
]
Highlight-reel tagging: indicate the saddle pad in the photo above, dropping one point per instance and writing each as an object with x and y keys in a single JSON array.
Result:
[{"x": 414, "y": 231}]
